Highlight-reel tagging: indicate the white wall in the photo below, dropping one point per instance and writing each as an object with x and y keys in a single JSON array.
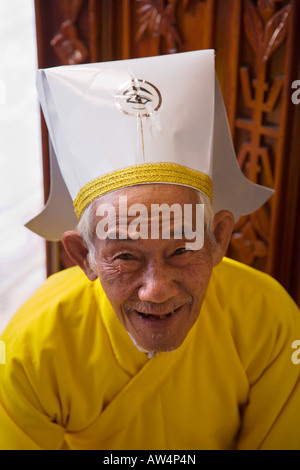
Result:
[{"x": 22, "y": 253}]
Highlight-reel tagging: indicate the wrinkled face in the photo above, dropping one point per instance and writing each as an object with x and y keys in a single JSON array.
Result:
[{"x": 155, "y": 286}]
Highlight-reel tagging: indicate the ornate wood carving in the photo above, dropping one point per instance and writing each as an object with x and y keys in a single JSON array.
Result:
[
  {"x": 158, "y": 18},
  {"x": 265, "y": 29},
  {"x": 67, "y": 44}
]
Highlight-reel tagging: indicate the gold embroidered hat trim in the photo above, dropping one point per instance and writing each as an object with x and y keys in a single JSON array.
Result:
[{"x": 141, "y": 174}]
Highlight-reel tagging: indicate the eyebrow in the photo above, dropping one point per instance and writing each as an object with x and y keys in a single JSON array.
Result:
[
  {"x": 117, "y": 239},
  {"x": 128, "y": 239}
]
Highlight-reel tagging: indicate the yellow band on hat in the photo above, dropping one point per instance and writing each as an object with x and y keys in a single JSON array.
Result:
[{"x": 141, "y": 174}]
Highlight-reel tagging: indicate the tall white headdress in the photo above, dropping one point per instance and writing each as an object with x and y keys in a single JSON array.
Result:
[{"x": 151, "y": 120}]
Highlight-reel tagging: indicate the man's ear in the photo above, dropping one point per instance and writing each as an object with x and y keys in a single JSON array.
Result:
[
  {"x": 76, "y": 250},
  {"x": 222, "y": 228}
]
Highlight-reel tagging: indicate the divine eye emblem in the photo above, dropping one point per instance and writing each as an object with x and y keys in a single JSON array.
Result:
[
  {"x": 138, "y": 98},
  {"x": 135, "y": 97}
]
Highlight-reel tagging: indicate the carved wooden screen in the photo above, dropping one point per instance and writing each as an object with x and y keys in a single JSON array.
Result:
[{"x": 258, "y": 63}]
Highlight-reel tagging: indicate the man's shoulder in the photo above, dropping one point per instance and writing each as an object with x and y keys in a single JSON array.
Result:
[
  {"x": 66, "y": 276},
  {"x": 65, "y": 281},
  {"x": 63, "y": 286},
  {"x": 245, "y": 277},
  {"x": 65, "y": 293},
  {"x": 236, "y": 269},
  {"x": 262, "y": 318},
  {"x": 241, "y": 285}
]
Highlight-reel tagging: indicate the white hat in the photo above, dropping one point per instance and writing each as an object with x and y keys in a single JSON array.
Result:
[{"x": 117, "y": 124}]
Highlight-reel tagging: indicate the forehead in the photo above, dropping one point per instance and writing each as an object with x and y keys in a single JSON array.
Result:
[
  {"x": 154, "y": 211},
  {"x": 156, "y": 193}
]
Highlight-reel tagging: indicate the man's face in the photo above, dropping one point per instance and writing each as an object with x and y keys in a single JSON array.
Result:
[{"x": 155, "y": 286}]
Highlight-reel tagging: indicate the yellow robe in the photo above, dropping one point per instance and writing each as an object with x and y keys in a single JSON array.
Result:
[{"x": 74, "y": 379}]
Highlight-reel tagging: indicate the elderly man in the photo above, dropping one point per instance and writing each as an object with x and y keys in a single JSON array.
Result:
[{"x": 154, "y": 340}]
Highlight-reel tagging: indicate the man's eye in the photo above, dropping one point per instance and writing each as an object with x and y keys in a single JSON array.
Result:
[
  {"x": 181, "y": 251},
  {"x": 125, "y": 257}
]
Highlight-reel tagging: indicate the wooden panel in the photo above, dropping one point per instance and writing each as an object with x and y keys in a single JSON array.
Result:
[
  {"x": 257, "y": 123},
  {"x": 58, "y": 29},
  {"x": 257, "y": 59}
]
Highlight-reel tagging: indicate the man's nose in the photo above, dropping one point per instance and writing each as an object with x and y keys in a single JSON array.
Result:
[{"x": 158, "y": 284}]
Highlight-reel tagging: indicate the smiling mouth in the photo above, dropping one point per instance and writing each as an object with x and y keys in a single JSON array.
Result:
[{"x": 150, "y": 316}]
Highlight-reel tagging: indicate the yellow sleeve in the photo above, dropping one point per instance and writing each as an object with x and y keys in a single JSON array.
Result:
[
  {"x": 271, "y": 419},
  {"x": 35, "y": 378},
  {"x": 24, "y": 421},
  {"x": 48, "y": 385}
]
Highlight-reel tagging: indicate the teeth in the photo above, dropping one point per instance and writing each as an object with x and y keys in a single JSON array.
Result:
[{"x": 157, "y": 317}]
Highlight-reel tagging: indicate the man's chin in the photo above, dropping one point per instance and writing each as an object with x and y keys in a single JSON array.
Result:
[
  {"x": 162, "y": 331},
  {"x": 155, "y": 346}
]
